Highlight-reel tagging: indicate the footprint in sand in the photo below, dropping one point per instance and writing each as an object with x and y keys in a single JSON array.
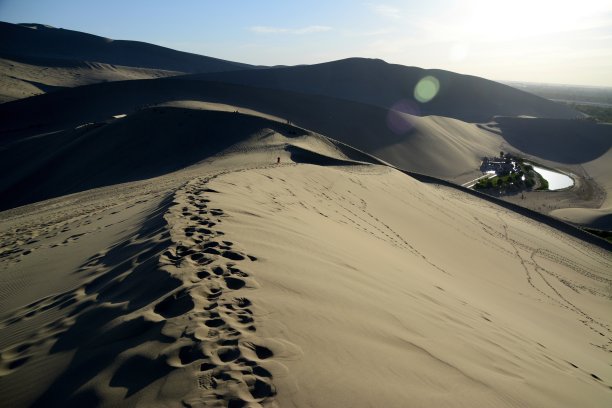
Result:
[
  {"x": 214, "y": 323},
  {"x": 233, "y": 255},
  {"x": 175, "y": 305},
  {"x": 234, "y": 283},
  {"x": 225, "y": 356},
  {"x": 189, "y": 354}
]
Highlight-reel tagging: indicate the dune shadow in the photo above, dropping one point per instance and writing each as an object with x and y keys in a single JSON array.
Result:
[
  {"x": 150, "y": 143},
  {"x": 301, "y": 155},
  {"x": 130, "y": 374},
  {"x": 559, "y": 140},
  {"x": 131, "y": 279},
  {"x": 44, "y": 87}
]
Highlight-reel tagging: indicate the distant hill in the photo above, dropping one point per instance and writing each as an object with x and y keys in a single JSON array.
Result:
[
  {"x": 376, "y": 82},
  {"x": 369, "y": 81},
  {"x": 41, "y": 41}
]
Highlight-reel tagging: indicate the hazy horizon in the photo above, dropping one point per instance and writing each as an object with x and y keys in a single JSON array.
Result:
[{"x": 548, "y": 42}]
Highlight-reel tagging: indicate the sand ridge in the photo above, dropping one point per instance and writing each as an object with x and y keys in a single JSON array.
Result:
[
  {"x": 221, "y": 340},
  {"x": 197, "y": 305}
]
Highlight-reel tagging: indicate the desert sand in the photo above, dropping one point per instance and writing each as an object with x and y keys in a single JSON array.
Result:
[
  {"x": 20, "y": 79},
  {"x": 439, "y": 146},
  {"x": 44, "y": 42},
  {"x": 329, "y": 279},
  {"x": 38, "y": 58},
  {"x": 289, "y": 236}
]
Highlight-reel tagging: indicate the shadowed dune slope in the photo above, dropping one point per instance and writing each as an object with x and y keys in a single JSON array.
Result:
[
  {"x": 376, "y": 82},
  {"x": 149, "y": 143},
  {"x": 41, "y": 41},
  {"x": 598, "y": 218},
  {"x": 562, "y": 141},
  {"x": 443, "y": 147}
]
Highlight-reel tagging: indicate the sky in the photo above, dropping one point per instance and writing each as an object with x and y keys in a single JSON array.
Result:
[{"x": 562, "y": 42}]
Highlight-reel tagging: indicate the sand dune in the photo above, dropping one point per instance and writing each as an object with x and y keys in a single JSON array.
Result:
[
  {"x": 438, "y": 146},
  {"x": 396, "y": 318},
  {"x": 42, "y": 41},
  {"x": 240, "y": 282},
  {"x": 599, "y": 169},
  {"x": 149, "y": 143},
  {"x": 560, "y": 141},
  {"x": 36, "y": 59},
  {"x": 25, "y": 77},
  {"x": 597, "y": 218},
  {"x": 442, "y": 147},
  {"x": 376, "y": 82}
]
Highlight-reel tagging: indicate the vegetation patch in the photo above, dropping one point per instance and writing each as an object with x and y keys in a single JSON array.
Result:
[
  {"x": 542, "y": 181},
  {"x": 512, "y": 175}
]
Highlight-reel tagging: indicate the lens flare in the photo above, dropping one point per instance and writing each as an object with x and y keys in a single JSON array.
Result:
[
  {"x": 426, "y": 89},
  {"x": 397, "y": 122}
]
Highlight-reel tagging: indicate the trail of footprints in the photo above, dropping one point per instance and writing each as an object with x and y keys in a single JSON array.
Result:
[
  {"x": 222, "y": 343},
  {"x": 18, "y": 242},
  {"x": 368, "y": 222},
  {"x": 552, "y": 293}
]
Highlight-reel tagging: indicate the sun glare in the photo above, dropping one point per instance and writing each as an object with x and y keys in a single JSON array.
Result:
[{"x": 505, "y": 20}]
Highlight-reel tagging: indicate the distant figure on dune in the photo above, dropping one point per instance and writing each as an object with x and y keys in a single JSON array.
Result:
[{"x": 278, "y": 160}]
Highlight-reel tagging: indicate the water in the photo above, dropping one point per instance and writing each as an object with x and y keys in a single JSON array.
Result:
[{"x": 556, "y": 181}]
